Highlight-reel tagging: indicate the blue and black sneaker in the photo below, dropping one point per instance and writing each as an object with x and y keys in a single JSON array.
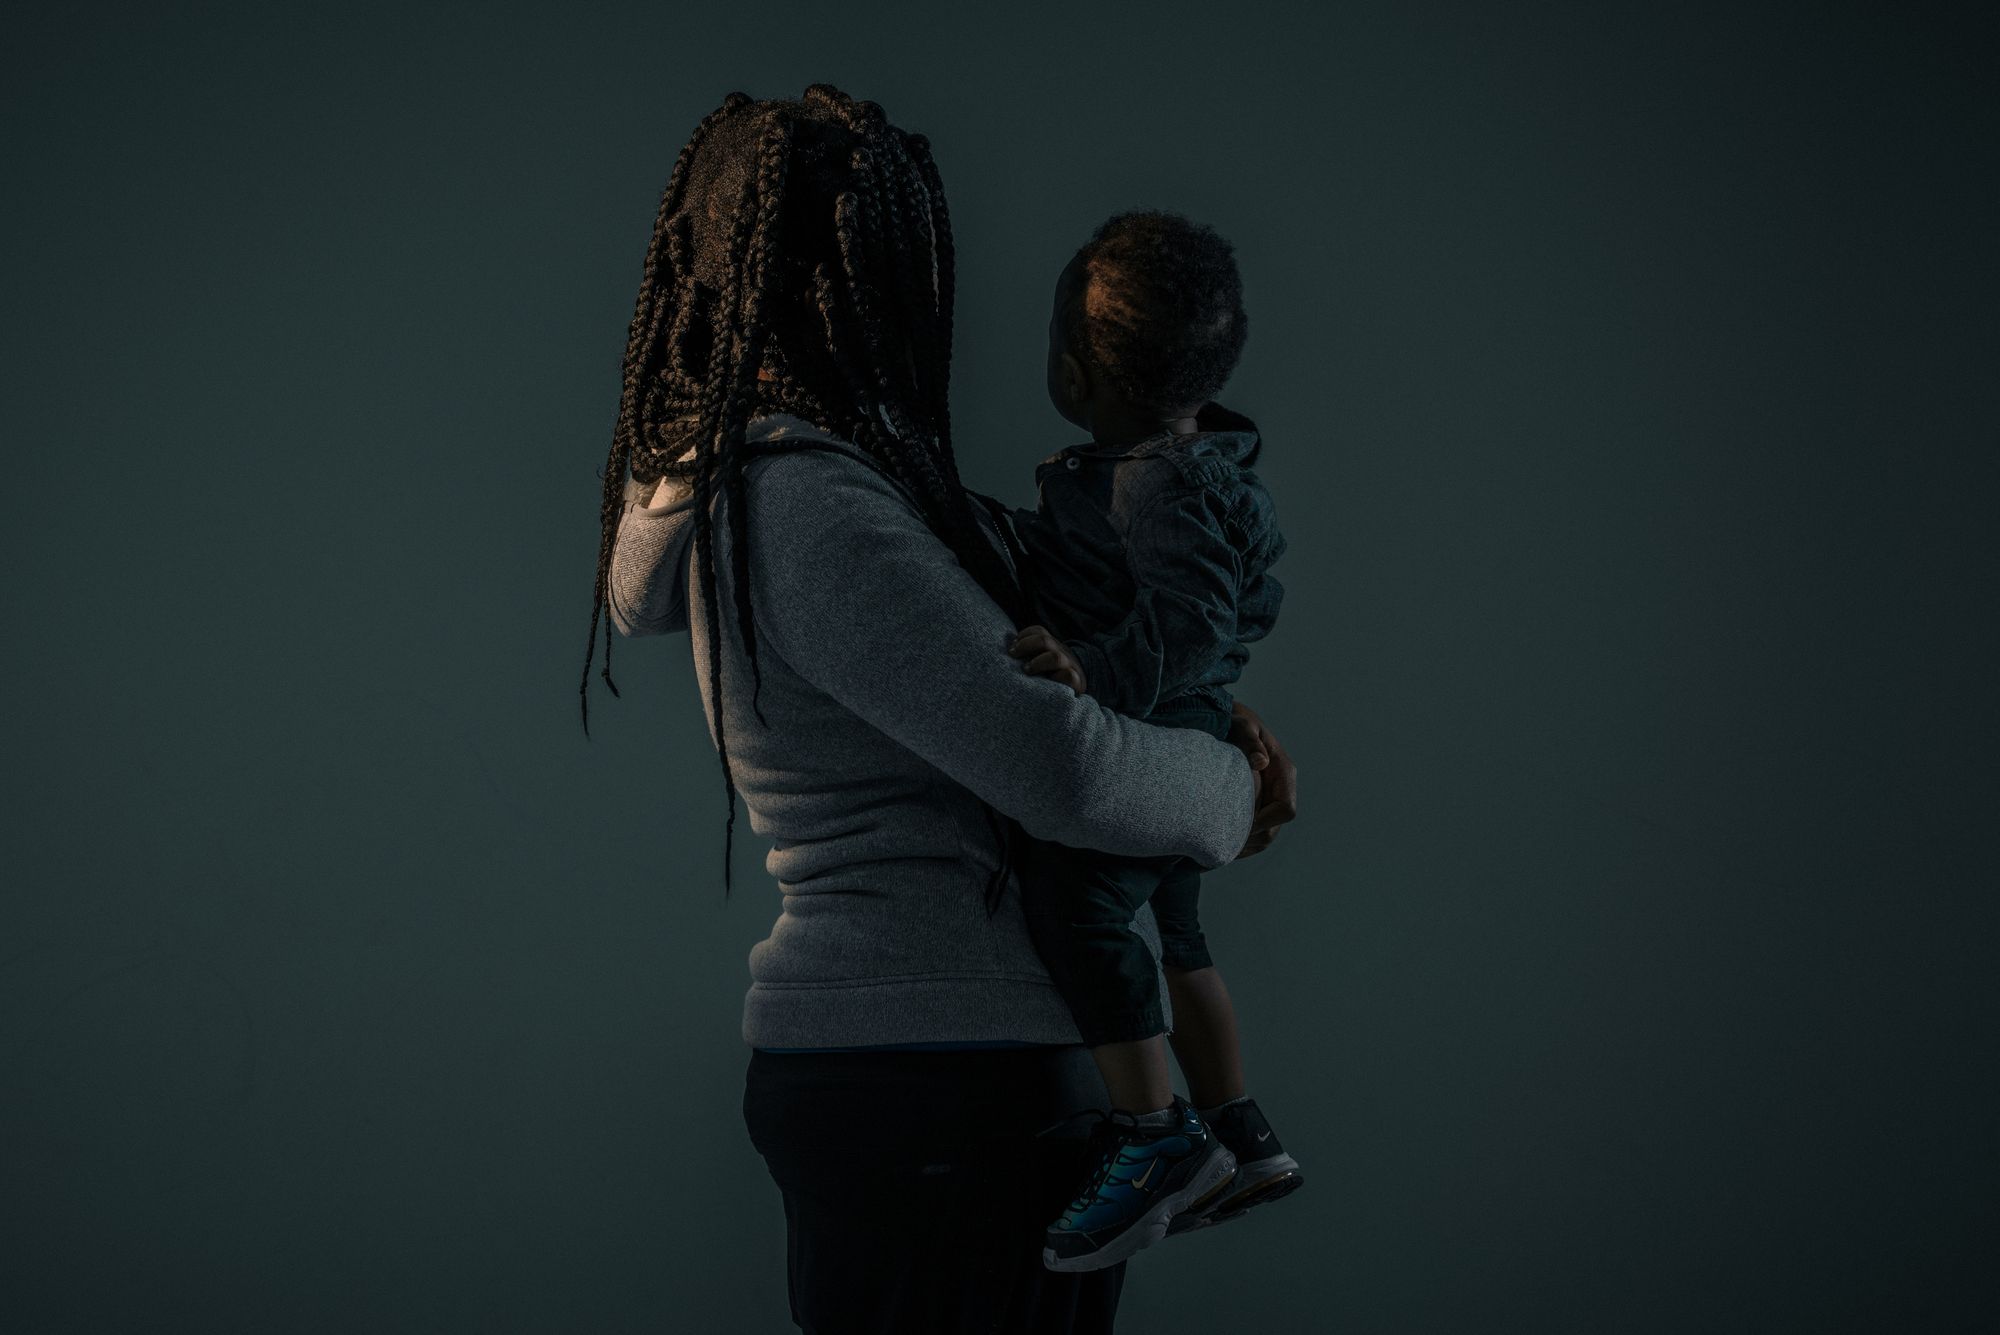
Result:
[
  {"x": 1264, "y": 1172},
  {"x": 1139, "y": 1178}
]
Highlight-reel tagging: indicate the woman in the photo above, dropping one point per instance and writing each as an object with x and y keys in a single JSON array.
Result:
[{"x": 850, "y": 606}]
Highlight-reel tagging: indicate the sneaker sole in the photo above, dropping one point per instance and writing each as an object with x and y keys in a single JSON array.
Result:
[
  {"x": 1210, "y": 1183},
  {"x": 1257, "y": 1184}
]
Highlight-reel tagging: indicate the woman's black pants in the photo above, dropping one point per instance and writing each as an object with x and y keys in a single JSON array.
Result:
[{"x": 916, "y": 1189}]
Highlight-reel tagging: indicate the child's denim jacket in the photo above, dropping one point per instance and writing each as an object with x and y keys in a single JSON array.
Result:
[{"x": 1151, "y": 561}]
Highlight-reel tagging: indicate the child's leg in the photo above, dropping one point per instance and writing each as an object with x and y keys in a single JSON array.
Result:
[
  {"x": 1204, "y": 1035},
  {"x": 1154, "y": 1158},
  {"x": 1079, "y": 904},
  {"x": 1135, "y": 1073},
  {"x": 1205, "y": 1040}
]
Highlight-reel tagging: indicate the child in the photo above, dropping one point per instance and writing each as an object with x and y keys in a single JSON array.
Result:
[{"x": 1149, "y": 552}]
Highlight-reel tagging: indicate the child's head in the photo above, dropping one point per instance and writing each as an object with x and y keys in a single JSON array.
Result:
[{"x": 1148, "y": 320}]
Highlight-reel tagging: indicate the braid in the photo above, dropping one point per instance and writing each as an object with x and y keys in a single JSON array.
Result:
[
  {"x": 832, "y": 273},
  {"x": 869, "y": 427},
  {"x": 929, "y": 299},
  {"x": 857, "y": 229},
  {"x": 639, "y": 342},
  {"x": 769, "y": 191},
  {"x": 713, "y": 452},
  {"x": 947, "y": 279}
]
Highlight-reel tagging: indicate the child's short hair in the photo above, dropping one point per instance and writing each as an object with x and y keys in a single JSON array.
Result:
[{"x": 1159, "y": 309}]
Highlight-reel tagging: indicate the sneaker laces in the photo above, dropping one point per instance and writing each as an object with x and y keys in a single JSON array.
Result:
[{"x": 1099, "y": 1150}]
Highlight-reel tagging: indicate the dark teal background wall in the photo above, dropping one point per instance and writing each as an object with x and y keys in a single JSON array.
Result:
[{"x": 1628, "y": 376}]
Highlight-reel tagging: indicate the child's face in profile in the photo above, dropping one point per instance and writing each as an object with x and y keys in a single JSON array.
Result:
[{"x": 1068, "y": 386}]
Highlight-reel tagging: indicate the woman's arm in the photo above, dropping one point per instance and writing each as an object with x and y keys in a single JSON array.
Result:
[
  {"x": 864, "y": 602},
  {"x": 648, "y": 582}
]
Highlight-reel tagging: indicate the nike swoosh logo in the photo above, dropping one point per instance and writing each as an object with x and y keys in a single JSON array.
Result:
[
  {"x": 1145, "y": 1177},
  {"x": 1266, "y": 1136}
]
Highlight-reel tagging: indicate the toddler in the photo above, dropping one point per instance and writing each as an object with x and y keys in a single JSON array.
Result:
[{"x": 1149, "y": 553}]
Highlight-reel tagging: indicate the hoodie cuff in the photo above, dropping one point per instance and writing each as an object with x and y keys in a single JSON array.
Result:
[
  {"x": 638, "y": 501},
  {"x": 1098, "y": 683}
]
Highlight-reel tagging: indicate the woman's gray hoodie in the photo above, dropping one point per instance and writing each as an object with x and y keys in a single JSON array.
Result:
[{"x": 892, "y": 708}]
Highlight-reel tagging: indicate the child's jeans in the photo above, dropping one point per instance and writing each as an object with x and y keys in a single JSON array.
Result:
[{"x": 1079, "y": 905}]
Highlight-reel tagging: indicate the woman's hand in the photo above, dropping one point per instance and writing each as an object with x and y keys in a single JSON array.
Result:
[{"x": 1275, "y": 776}]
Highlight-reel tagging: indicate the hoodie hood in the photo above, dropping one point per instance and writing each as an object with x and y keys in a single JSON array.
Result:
[
  {"x": 1219, "y": 433},
  {"x": 651, "y": 563}
]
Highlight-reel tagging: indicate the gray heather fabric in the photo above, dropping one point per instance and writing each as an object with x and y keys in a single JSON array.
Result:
[{"x": 891, "y": 702}]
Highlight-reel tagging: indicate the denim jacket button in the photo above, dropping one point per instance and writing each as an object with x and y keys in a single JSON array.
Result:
[{"x": 1073, "y": 462}]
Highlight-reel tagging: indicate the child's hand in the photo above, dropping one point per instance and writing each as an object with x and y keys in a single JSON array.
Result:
[{"x": 1048, "y": 657}]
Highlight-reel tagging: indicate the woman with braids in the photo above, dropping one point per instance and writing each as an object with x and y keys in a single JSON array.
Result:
[{"x": 794, "y": 504}]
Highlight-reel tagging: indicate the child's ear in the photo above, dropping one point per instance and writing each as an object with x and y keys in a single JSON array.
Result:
[{"x": 1075, "y": 381}]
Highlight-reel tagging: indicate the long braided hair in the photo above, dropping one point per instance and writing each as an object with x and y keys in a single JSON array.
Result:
[{"x": 801, "y": 262}]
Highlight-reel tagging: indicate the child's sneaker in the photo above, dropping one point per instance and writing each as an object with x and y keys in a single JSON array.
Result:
[
  {"x": 1140, "y": 1177},
  {"x": 1264, "y": 1172}
]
